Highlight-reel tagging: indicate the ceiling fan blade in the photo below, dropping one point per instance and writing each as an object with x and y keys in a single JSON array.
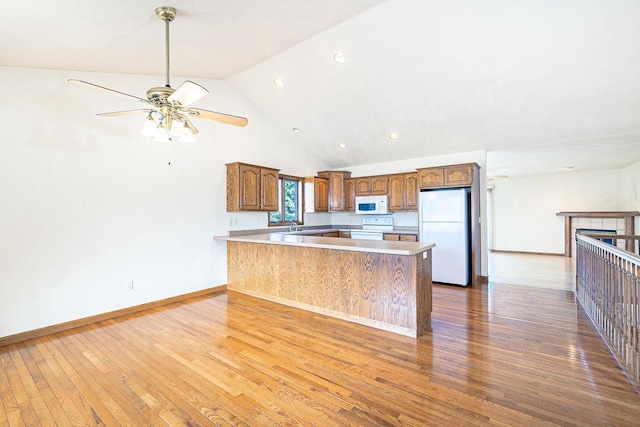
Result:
[
  {"x": 188, "y": 93},
  {"x": 218, "y": 117},
  {"x": 106, "y": 89},
  {"x": 124, "y": 113}
]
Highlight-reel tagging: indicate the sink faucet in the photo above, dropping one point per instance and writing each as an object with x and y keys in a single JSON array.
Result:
[{"x": 293, "y": 226}]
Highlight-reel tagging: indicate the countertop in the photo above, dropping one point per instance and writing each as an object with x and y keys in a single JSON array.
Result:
[
  {"x": 299, "y": 239},
  {"x": 322, "y": 229}
]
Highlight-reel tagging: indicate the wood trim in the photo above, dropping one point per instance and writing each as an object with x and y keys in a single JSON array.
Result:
[
  {"x": 613, "y": 214},
  {"x": 332, "y": 313},
  {"x": 482, "y": 280},
  {"x": 36, "y": 333},
  {"x": 567, "y": 236}
]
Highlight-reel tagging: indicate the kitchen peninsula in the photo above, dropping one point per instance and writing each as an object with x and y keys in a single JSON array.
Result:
[{"x": 382, "y": 284}]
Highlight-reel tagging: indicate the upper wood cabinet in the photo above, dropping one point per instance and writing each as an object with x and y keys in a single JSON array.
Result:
[
  {"x": 316, "y": 194},
  {"x": 350, "y": 194},
  {"x": 396, "y": 192},
  {"x": 251, "y": 188},
  {"x": 363, "y": 186},
  {"x": 336, "y": 189},
  {"x": 372, "y": 185},
  {"x": 403, "y": 191},
  {"x": 446, "y": 176},
  {"x": 379, "y": 185},
  {"x": 411, "y": 192},
  {"x": 458, "y": 175},
  {"x": 431, "y": 177}
]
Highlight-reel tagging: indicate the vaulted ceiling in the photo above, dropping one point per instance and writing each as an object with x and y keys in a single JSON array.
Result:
[{"x": 540, "y": 85}]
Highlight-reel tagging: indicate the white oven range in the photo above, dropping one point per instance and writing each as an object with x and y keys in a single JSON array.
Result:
[{"x": 373, "y": 228}]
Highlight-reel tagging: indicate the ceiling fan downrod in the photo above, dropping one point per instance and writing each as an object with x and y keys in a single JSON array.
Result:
[{"x": 167, "y": 14}]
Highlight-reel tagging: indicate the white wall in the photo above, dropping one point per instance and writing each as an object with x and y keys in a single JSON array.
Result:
[
  {"x": 88, "y": 204},
  {"x": 525, "y": 207}
]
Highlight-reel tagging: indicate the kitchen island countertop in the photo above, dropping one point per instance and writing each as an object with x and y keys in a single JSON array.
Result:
[{"x": 342, "y": 244}]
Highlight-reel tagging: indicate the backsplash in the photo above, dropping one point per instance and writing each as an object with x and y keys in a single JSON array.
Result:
[{"x": 400, "y": 219}]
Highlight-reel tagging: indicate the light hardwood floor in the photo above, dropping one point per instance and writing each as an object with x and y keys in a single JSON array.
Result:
[
  {"x": 542, "y": 271},
  {"x": 496, "y": 355}
]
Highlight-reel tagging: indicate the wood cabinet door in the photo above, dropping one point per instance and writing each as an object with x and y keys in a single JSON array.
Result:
[
  {"x": 321, "y": 201},
  {"x": 250, "y": 188},
  {"x": 410, "y": 191},
  {"x": 363, "y": 186},
  {"x": 431, "y": 177},
  {"x": 396, "y": 192},
  {"x": 408, "y": 238},
  {"x": 379, "y": 185},
  {"x": 350, "y": 194},
  {"x": 331, "y": 234},
  {"x": 336, "y": 191},
  {"x": 394, "y": 237},
  {"x": 458, "y": 175},
  {"x": 269, "y": 189}
]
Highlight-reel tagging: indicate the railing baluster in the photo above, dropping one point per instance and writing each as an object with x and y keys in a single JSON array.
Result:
[{"x": 608, "y": 288}]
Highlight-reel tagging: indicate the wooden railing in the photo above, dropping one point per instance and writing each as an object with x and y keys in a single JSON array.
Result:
[{"x": 608, "y": 287}]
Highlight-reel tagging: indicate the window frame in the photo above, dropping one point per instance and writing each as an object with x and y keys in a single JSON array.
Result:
[{"x": 281, "y": 201}]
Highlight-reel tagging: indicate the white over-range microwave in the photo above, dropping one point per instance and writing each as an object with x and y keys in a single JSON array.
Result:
[{"x": 371, "y": 205}]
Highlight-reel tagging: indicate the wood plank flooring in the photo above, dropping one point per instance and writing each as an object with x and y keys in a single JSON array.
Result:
[
  {"x": 496, "y": 355},
  {"x": 543, "y": 271}
]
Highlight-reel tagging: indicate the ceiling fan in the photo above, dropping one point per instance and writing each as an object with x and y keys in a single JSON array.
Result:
[{"x": 167, "y": 109}]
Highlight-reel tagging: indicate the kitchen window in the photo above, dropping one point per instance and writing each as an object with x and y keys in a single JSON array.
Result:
[{"x": 290, "y": 197}]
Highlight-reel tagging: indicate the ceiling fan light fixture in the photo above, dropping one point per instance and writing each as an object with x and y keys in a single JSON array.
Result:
[
  {"x": 149, "y": 128},
  {"x": 167, "y": 109},
  {"x": 177, "y": 127},
  {"x": 162, "y": 135}
]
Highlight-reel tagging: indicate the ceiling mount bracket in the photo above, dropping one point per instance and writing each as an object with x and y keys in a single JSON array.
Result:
[{"x": 166, "y": 13}]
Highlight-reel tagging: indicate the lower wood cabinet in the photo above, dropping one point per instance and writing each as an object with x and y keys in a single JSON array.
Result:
[
  {"x": 401, "y": 237},
  {"x": 331, "y": 234}
]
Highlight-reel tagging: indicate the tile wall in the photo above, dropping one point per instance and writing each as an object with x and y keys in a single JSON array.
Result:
[{"x": 599, "y": 224}]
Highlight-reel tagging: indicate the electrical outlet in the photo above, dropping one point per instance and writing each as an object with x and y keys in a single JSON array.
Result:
[{"x": 129, "y": 286}]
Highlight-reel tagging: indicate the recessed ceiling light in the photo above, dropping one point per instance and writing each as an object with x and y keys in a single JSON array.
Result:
[
  {"x": 393, "y": 136},
  {"x": 278, "y": 82},
  {"x": 296, "y": 130},
  {"x": 341, "y": 145},
  {"x": 339, "y": 58},
  {"x": 567, "y": 168}
]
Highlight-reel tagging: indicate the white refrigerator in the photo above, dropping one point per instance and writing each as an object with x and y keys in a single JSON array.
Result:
[{"x": 444, "y": 220}]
